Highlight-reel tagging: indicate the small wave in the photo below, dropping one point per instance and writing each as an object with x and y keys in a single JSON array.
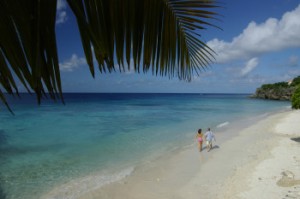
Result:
[
  {"x": 78, "y": 187},
  {"x": 223, "y": 124}
]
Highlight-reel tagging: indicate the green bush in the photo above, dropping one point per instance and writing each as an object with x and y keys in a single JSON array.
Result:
[
  {"x": 266, "y": 86},
  {"x": 296, "y": 99},
  {"x": 281, "y": 84},
  {"x": 296, "y": 81},
  {"x": 277, "y": 85}
]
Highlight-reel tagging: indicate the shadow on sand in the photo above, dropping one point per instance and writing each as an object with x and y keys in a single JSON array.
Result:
[
  {"x": 297, "y": 139},
  {"x": 214, "y": 147}
]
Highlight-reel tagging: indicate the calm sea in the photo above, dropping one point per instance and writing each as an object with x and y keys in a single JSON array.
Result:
[{"x": 97, "y": 139}]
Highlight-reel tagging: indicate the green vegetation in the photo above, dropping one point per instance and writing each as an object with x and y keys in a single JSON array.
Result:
[
  {"x": 281, "y": 91},
  {"x": 296, "y": 99},
  {"x": 160, "y": 36},
  {"x": 296, "y": 94},
  {"x": 277, "y": 85},
  {"x": 296, "y": 81}
]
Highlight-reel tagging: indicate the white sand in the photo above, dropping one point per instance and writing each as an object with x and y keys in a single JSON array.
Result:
[
  {"x": 261, "y": 161},
  {"x": 275, "y": 174}
]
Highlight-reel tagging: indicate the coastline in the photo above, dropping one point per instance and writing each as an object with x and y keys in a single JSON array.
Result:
[{"x": 257, "y": 158}]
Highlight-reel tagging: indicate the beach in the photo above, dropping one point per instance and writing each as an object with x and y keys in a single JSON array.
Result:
[
  {"x": 139, "y": 146},
  {"x": 105, "y": 99},
  {"x": 261, "y": 161}
]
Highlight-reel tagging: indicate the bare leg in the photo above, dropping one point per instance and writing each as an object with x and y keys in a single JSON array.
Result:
[
  {"x": 200, "y": 146},
  {"x": 207, "y": 146}
]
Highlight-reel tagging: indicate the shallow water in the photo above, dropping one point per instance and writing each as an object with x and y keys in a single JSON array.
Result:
[{"x": 96, "y": 139}]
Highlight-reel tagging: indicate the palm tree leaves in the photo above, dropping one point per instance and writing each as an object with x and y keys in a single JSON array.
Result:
[
  {"x": 161, "y": 36},
  {"x": 28, "y": 47}
]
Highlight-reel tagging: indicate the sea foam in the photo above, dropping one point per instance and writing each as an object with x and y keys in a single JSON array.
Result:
[
  {"x": 81, "y": 186},
  {"x": 223, "y": 124}
]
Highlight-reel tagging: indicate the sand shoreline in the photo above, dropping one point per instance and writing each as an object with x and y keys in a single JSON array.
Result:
[
  {"x": 259, "y": 158},
  {"x": 277, "y": 173},
  {"x": 260, "y": 161}
]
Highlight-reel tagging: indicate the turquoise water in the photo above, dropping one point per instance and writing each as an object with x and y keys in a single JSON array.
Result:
[{"x": 96, "y": 139}]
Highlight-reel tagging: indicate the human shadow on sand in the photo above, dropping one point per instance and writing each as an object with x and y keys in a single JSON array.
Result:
[{"x": 214, "y": 147}]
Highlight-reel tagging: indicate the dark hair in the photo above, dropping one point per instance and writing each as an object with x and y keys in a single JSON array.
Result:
[{"x": 199, "y": 131}]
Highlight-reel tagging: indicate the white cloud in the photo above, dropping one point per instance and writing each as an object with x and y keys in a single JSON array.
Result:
[
  {"x": 72, "y": 63},
  {"x": 250, "y": 65},
  {"x": 61, "y": 15},
  {"x": 61, "y": 4},
  {"x": 257, "y": 39}
]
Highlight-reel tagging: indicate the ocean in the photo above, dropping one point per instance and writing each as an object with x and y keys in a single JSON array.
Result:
[{"x": 57, "y": 150}]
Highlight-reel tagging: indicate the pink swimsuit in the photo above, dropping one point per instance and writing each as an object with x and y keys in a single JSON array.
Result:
[{"x": 200, "y": 139}]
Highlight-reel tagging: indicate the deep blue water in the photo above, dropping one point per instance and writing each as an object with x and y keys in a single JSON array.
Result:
[{"x": 104, "y": 136}]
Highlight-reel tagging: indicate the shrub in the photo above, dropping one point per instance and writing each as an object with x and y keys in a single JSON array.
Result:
[
  {"x": 296, "y": 81},
  {"x": 277, "y": 85},
  {"x": 281, "y": 84},
  {"x": 266, "y": 86},
  {"x": 296, "y": 99}
]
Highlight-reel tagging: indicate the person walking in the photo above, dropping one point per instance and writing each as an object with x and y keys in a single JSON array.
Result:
[
  {"x": 209, "y": 136},
  {"x": 199, "y": 137}
]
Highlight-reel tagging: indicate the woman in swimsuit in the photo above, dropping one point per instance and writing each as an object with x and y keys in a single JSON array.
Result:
[{"x": 199, "y": 138}]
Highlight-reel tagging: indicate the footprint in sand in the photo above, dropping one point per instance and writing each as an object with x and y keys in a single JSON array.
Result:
[{"x": 288, "y": 180}]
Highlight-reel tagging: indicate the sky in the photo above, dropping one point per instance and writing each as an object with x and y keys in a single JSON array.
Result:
[{"x": 259, "y": 44}]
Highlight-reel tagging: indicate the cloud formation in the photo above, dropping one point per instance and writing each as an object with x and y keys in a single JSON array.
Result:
[
  {"x": 72, "y": 63},
  {"x": 250, "y": 65},
  {"x": 257, "y": 39},
  {"x": 61, "y": 15}
]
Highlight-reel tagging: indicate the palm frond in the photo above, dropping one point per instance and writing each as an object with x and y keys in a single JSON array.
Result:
[
  {"x": 28, "y": 47},
  {"x": 161, "y": 36}
]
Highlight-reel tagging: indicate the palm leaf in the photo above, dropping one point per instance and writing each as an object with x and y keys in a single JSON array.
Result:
[
  {"x": 28, "y": 47},
  {"x": 161, "y": 36}
]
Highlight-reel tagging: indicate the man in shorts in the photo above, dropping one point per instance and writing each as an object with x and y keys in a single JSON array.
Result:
[{"x": 209, "y": 136}]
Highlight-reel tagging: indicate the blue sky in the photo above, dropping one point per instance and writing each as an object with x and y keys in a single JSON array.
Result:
[{"x": 259, "y": 44}]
